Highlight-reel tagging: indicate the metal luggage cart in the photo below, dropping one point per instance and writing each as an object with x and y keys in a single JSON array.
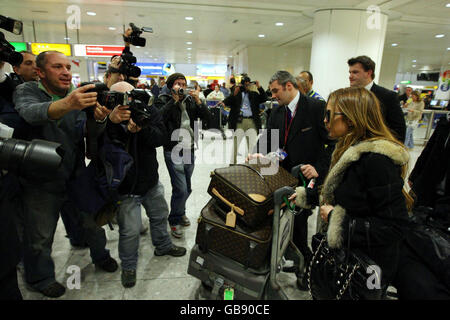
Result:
[
  {"x": 253, "y": 284},
  {"x": 215, "y": 123}
]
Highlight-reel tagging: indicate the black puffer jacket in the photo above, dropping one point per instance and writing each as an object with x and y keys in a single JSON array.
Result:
[
  {"x": 366, "y": 185},
  {"x": 171, "y": 113},
  {"x": 143, "y": 175}
]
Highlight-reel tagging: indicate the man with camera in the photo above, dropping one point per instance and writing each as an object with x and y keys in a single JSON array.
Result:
[
  {"x": 141, "y": 185},
  {"x": 179, "y": 110},
  {"x": 244, "y": 104},
  {"x": 54, "y": 109}
]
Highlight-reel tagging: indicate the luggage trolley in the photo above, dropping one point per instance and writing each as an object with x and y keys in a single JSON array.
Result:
[{"x": 224, "y": 278}]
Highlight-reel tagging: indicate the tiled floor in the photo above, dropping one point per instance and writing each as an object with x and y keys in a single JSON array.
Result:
[{"x": 159, "y": 278}]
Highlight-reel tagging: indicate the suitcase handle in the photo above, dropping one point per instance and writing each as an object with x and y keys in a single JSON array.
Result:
[
  {"x": 228, "y": 203},
  {"x": 259, "y": 173}
]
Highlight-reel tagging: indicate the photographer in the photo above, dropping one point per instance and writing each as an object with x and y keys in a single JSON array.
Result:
[
  {"x": 54, "y": 109},
  {"x": 141, "y": 186},
  {"x": 179, "y": 111},
  {"x": 244, "y": 102},
  {"x": 23, "y": 72}
]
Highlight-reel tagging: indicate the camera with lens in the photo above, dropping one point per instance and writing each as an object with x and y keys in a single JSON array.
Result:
[
  {"x": 7, "y": 52},
  {"x": 134, "y": 38},
  {"x": 138, "y": 100},
  {"x": 127, "y": 65},
  {"x": 37, "y": 158}
]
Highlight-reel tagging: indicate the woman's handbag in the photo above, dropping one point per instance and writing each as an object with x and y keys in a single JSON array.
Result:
[{"x": 342, "y": 273}]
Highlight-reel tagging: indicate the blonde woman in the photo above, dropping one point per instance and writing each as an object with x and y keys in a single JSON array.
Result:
[
  {"x": 415, "y": 109},
  {"x": 365, "y": 184}
]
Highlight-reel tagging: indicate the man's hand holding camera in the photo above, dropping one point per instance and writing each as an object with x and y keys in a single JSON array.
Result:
[{"x": 195, "y": 94}]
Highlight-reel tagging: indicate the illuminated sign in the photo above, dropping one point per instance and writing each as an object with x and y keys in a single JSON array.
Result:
[
  {"x": 19, "y": 46},
  {"x": 37, "y": 48},
  {"x": 211, "y": 69},
  {"x": 85, "y": 50},
  {"x": 156, "y": 69},
  {"x": 405, "y": 82}
]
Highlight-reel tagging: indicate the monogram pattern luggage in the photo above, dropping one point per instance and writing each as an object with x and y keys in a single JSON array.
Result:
[
  {"x": 250, "y": 248},
  {"x": 247, "y": 192}
]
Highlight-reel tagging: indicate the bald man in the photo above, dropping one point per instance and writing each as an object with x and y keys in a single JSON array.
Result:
[{"x": 141, "y": 186}]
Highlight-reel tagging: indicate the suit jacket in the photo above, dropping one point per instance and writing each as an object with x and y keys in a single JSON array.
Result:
[
  {"x": 235, "y": 101},
  {"x": 307, "y": 142},
  {"x": 392, "y": 112}
]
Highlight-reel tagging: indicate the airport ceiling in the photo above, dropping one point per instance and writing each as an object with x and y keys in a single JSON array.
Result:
[{"x": 220, "y": 27}]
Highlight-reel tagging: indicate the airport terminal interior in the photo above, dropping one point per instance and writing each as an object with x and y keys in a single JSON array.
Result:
[{"x": 212, "y": 41}]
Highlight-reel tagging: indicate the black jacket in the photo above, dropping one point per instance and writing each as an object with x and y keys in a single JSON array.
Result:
[
  {"x": 143, "y": 175},
  {"x": 392, "y": 112},
  {"x": 308, "y": 141},
  {"x": 432, "y": 166},
  {"x": 8, "y": 86},
  {"x": 171, "y": 114},
  {"x": 366, "y": 184},
  {"x": 235, "y": 102}
]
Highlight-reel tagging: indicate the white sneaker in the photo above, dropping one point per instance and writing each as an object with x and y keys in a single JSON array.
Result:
[{"x": 176, "y": 231}]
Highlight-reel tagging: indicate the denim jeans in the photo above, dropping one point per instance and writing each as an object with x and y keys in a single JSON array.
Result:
[
  {"x": 129, "y": 220},
  {"x": 41, "y": 216},
  {"x": 70, "y": 216},
  {"x": 409, "y": 140},
  {"x": 180, "y": 178}
]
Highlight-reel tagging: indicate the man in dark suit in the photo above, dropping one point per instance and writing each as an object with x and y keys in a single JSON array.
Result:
[
  {"x": 362, "y": 73},
  {"x": 303, "y": 139},
  {"x": 244, "y": 104}
]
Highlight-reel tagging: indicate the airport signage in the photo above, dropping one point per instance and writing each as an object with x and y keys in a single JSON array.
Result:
[
  {"x": 156, "y": 69},
  {"x": 37, "y": 48},
  {"x": 88, "y": 50},
  {"x": 19, "y": 46}
]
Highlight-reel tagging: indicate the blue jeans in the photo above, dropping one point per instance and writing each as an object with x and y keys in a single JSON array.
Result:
[
  {"x": 409, "y": 139},
  {"x": 180, "y": 178},
  {"x": 41, "y": 216},
  {"x": 129, "y": 220}
]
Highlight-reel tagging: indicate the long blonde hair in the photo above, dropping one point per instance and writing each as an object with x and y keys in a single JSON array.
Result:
[{"x": 361, "y": 109}]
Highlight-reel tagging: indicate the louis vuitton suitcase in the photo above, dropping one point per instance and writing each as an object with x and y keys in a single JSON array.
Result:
[
  {"x": 247, "y": 190},
  {"x": 250, "y": 248}
]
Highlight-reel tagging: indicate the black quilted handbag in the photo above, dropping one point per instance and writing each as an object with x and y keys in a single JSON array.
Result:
[{"x": 335, "y": 274}]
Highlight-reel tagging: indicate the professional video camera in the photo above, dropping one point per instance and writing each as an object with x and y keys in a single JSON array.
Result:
[
  {"x": 138, "y": 100},
  {"x": 7, "y": 52},
  {"x": 36, "y": 158},
  {"x": 127, "y": 65},
  {"x": 134, "y": 38}
]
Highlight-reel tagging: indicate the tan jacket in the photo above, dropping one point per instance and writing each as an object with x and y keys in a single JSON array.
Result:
[{"x": 417, "y": 108}]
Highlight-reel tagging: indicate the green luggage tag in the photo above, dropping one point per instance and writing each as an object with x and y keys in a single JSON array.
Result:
[{"x": 228, "y": 294}]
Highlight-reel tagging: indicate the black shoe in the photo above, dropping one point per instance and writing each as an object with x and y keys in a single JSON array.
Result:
[
  {"x": 302, "y": 282},
  {"x": 185, "y": 221},
  {"x": 128, "y": 278},
  {"x": 108, "y": 265},
  {"x": 175, "y": 251},
  {"x": 53, "y": 290}
]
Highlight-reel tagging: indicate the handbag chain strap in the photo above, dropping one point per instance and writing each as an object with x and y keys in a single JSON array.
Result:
[
  {"x": 347, "y": 283},
  {"x": 312, "y": 262}
]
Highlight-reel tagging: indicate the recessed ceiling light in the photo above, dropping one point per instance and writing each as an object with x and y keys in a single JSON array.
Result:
[
  {"x": 90, "y": 13},
  {"x": 279, "y": 24},
  {"x": 439, "y": 36},
  {"x": 66, "y": 38},
  {"x": 189, "y": 48},
  {"x": 137, "y": 46},
  {"x": 395, "y": 44},
  {"x": 189, "y": 42},
  {"x": 261, "y": 35},
  {"x": 230, "y": 56},
  {"x": 414, "y": 66},
  {"x": 189, "y": 18},
  {"x": 414, "y": 61},
  {"x": 188, "y": 31},
  {"x": 448, "y": 5},
  {"x": 448, "y": 48},
  {"x": 112, "y": 28}
]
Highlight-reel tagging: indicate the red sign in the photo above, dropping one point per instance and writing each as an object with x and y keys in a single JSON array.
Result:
[{"x": 97, "y": 50}]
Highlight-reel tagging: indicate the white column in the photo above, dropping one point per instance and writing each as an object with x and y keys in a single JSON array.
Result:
[{"x": 340, "y": 34}]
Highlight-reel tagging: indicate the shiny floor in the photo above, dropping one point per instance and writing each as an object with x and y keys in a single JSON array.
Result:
[{"x": 158, "y": 278}]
